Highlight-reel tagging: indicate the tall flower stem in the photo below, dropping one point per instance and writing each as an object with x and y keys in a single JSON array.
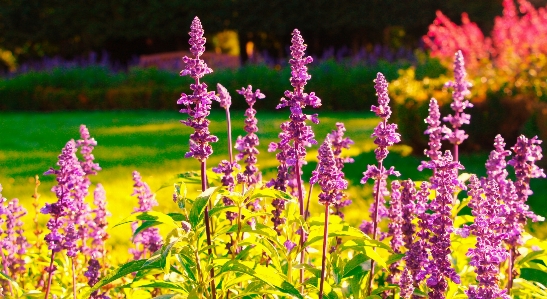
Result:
[
  {"x": 229, "y": 123},
  {"x": 207, "y": 225},
  {"x": 374, "y": 228},
  {"x": 302, "y": 233},
  {"x": 307, "y": 211},
  {"x": 324, "y": 256},
  {"x": 6, "y": 271},
  {"x": 510, "y": 270},
  {"x": 73, "y": 278},
  {"x": 50, "y": 271}
]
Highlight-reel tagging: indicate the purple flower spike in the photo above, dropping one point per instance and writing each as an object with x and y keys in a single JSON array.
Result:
[
  {"x": 527, "y": 153},
  {"x": 496, "y": 164},
  {"x": 328, "y": 176},
  {"x": 81, "y": 214},
  {"x": 12, "y": 238},
  {"x": 407, "y": 288},
  {"x": 489, "y": 253},
  {"x": 225, "y": 99},
  {"x": 444, "y": 181},
  {"x": 247, "y": 145},
  {"x": 150, "y": 237},
  {"x": 227, "y": 169},
  {"x": 295, "y": 135},
  {"x": 434, "y": 130},
  {"x": 395, "y": 229},
  {"x": 69, "y": 179},
  {"x": 417, "y": 256},
  {"x": 198, "y": 104},
  {"x": 340, "y": 142},
  {"x": 461, "y": 89}
]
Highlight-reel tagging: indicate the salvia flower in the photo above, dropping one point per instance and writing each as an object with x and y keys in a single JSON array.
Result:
[
  {"x": 227, "y": 169},
  {"x": 224, "y": 97},
  {"x": 328, "y": 176},
  {"x": 247, "y": 145},
  {"x": 496, "y": 164},
  {"x": 69, "y": 178},
  {"x": 407, "y": 288},
  {"x": 417, "y": 255},
  {"x": 340, "y": 142},
  {"x": 434, "y": 130},
  {"x": 461, "y": 89},
  {"x": 12, "y": 238},
  {"x": 445, "y": 182},
  {"x": 149, "y": 238},
  {"x": 295, "y": 135},
  {"x": 81, "y": 215},
  {"x": 395, "y": 228},
  {"x": 198, "y": 104},
  {"x": 489, "y": 252},
  {"x": 527, "y": 153}
]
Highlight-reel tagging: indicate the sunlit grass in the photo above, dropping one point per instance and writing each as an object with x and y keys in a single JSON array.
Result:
[{"x": 154, "y": 143}]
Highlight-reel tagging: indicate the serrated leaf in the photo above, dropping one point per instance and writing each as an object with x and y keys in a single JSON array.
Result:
[{"x": 265, "y": 274}]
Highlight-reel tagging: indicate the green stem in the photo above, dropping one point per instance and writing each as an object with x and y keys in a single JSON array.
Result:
[{"x": 324, "y": 256}]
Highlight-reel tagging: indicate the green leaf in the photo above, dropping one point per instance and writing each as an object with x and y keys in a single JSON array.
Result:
[
  {"x": 537, "y": 274},
  {"x": 355, "y": 264},
  {"x": 395, "y": 258},
  {"x": 120, "y": 272},
  {"x": 144, "y": 225},
  {"x": 370, "y": 252},
  {"x": 190, "y": 177},
  {"x": 187, "y": 263},
  {"x": 158, "y": 284},
  {"x": 316, "y": 272},
  {"x": 177, "y": 216},
  {"x": 380, "y": 290},
  {"x": 196, "y": 213},
  {"x": 265, "y": 274},
  {"x": 150, "y": 216},
  {"x": 531, "y": 256},
  {"x": 217, "y": 210},
  {"x": 271, "y": 193}
]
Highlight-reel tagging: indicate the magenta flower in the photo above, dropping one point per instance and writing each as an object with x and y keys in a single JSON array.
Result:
[
  {"x": 69, "y": 178},
  {"x": 489, "y": 252},
  {"x": 340, "y": 142},
  {"x": 247, "y": 145},
  {"x": 198, "y": 104},
  {"x": 328, "y": 176},
  {"x": 461, "y": 89},
  {"x": 434, "y": 130},
  {"x": 227, "y": 169},
  {"x": 12, "y": 239},
  {"x": 149, "y": 238},
  {"x": 444, "y": 181}
]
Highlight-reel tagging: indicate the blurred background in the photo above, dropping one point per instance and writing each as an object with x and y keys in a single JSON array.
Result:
[{"x": 64, "y": 63}]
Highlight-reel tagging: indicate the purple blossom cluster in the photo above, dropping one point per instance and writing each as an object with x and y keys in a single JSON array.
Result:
[
  {"x": 247, "y": 145},
  {"x": 227, "y": 169},
  {"x": 69, "y": 179},
  {"x": 81, "y": 215},
  {"x": 395, "y": 228},
  {"x": 434, "y": 130},
  {"x": 339, "y": 142},
  {"x": 295, "y": 135},
  {"x": 149, "y": 238},
  {"x": 12, "y": 239},
  {"x": 198, "y": 104},
  {"x": 98, "y": 235},
  {"x": 489, "y": 253},
  {"x": 461, "y": 89},
  {"x": 328, "y": 176},
  {"x": 444, "y": 182}
]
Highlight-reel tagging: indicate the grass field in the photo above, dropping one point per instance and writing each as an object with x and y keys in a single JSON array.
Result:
[{"x": 154, "y": 143}]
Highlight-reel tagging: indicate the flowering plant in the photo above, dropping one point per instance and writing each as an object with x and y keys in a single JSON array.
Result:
[{"x": 245, "y": 237}]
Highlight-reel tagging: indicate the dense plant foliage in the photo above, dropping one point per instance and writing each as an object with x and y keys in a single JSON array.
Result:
[{"x": 246, "y": 237}]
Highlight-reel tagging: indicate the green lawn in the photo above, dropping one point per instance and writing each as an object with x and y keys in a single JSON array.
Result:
[{"x": 154, "y": 143}]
